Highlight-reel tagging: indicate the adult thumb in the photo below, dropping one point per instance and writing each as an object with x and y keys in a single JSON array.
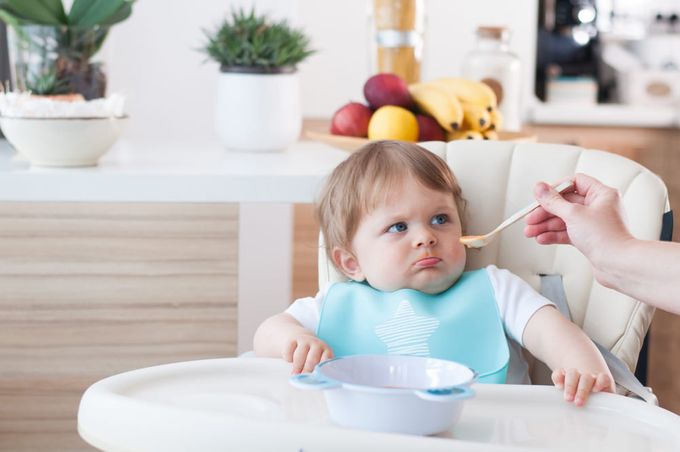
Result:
[{"x": 550, "y": 200}]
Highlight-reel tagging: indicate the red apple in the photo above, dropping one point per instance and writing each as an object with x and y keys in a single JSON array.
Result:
[
  {"x": 387, "y": 89},
  {"x": 352, "y": 120},
  {"x": 429, "y": 129}
]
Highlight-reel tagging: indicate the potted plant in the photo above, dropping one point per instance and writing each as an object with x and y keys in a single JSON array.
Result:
[
  {"x": 52, "y": 50},
  {"x": 258, "y": 99}
]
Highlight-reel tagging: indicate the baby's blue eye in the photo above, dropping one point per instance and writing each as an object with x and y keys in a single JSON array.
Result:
[
  {"x": 398, "y": 227},
  {"x": 440, "y": 219}
]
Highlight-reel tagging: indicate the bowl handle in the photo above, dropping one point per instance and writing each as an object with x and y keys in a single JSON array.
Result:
[
  {"x": 446, "y": 394},
  {"x": 312, "y": 381}
]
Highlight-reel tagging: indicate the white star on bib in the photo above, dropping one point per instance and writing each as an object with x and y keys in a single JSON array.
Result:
[{"x": 406, "y": 333}]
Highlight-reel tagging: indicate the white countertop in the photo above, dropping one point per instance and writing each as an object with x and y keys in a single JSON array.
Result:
[{"x": 174, "y": 172}]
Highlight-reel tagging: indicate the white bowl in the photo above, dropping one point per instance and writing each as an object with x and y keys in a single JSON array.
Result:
[
  {"x": 392, "y": 393},
  {"x": 62, "y": 141}
]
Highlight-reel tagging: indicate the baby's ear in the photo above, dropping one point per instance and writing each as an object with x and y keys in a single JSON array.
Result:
[{"x": 347, "y": 263}]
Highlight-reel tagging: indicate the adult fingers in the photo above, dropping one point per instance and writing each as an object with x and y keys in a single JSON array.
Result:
[
  {"x": 554, "y": 224},
  {"x": 552, "y": 238},
  {"x": 552, "y": 201},
  {"x": 584, "y": 184},
  {"x": 540, "y": 215}
]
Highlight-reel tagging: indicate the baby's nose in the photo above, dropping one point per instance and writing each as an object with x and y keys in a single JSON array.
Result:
[{"x": 426, "y": 240}]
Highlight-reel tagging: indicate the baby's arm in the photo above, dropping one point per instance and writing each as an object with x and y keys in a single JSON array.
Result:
[
  {"x": 283, "y": 336},
  {"x": 577, "y": 365}
]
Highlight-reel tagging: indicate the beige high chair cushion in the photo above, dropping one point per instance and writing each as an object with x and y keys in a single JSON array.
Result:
[{"x": 497, "y": 179}]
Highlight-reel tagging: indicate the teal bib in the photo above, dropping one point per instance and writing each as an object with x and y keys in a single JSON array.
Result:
[{"x": 460, "y": 324}]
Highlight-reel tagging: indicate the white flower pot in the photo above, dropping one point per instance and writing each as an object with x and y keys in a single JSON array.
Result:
[{"x": 258, "y": 112}]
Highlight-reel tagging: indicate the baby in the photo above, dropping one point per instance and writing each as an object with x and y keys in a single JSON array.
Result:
[{"x": 391, "y": 217}]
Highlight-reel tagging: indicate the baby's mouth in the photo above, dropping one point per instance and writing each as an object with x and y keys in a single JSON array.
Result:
[{"x": 426, "y": 262}]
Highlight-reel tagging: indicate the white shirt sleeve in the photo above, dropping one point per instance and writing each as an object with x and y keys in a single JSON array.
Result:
[
  {"x": 517, "y": 300},
  {"x": 307, "y": 310}
]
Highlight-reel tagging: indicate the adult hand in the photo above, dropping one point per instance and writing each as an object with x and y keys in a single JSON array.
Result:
[
  {"x": 306, "y": 351},
  {"x": 590, "y": 217}
]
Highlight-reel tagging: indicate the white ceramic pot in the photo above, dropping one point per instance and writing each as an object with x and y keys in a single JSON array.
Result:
[
  {"x": 258, "y": 112},
  {"x": 62, "y": 142},
  {"x": 392, "y": 393}
]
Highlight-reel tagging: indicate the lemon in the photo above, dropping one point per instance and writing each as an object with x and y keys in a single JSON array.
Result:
[{"x": 393, "y": 123}]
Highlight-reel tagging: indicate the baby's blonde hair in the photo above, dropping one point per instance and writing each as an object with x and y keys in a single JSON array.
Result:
[{"x": 363, "y": 181}]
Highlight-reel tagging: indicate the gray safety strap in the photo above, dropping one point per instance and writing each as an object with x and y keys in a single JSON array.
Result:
[{"x": 552, "y": 288}]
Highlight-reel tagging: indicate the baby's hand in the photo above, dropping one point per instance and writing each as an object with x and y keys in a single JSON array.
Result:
[
  {"x": 306, "y": 351},
  {"x": 578, "y": 385}
]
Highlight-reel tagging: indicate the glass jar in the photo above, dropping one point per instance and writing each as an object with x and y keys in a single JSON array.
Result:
[
  {"x": 495, "y": 64},
  {"x": 396, "y": 28},
  {"x": 57, "y": 60}
]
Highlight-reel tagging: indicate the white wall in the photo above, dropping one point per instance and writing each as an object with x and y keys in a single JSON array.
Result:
[{"x": 152, "y": 58}]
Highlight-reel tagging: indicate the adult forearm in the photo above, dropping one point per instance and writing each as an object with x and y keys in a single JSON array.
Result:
[{"x": 648, "y": 271}]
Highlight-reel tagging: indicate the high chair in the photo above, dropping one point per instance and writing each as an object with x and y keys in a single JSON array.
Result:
[
  {"x": 248, "y": 404},
  {"x": 497, "y": 179}
]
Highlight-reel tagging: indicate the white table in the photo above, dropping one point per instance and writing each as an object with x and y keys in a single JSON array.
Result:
[
  {"x": 247, "y": 404},
  {"x": 264, "y": 185}
]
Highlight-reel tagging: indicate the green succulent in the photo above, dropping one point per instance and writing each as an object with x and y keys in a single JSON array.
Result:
[{"x": 251, "y": 41}]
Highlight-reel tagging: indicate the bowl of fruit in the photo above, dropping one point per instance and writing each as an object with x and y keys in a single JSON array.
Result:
[{"x": 444, "y": 109}]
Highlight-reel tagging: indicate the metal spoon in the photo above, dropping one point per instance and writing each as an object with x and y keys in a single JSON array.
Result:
[{"x": 478, "y": 241}]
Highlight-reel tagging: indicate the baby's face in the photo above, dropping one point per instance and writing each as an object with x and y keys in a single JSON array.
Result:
[{"x": 410, "y": 241}]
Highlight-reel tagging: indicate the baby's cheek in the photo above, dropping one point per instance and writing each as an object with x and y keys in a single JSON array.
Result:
[{"x": 460, "y": 253}]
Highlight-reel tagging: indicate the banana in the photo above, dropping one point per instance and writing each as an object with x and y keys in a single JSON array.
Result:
[
  {"x": 434, "y": 101},
  {"x": 496, "y": 119},
  {"x": 470, "y": 91},
  {"x": 464, "y": 135},
  {"x": 475, "y": 117},
  {"x": 490, "y": 135}
]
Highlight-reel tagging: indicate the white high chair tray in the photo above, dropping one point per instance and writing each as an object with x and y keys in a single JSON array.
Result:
[{"x": 248, "y": 404}]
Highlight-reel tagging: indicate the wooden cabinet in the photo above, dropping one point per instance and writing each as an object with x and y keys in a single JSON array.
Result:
[
  {"x": 91, "y": 290},
  {"x": 626, "y": 141}
]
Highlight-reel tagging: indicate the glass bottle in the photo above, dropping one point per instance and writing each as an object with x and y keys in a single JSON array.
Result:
[
  {"x": 396, "y": 28},
  {"x": 495, "y": 64}
]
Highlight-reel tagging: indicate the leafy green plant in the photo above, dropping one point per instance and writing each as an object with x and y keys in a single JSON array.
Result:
[
  {"x": 83, "y": 13},
  {"x": 251, "y": 41},
  {"x": 79, "y": 34}
]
